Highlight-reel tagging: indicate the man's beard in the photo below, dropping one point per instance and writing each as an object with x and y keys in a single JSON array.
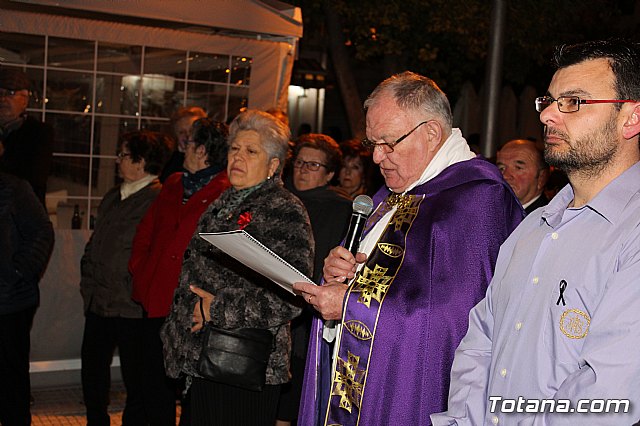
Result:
[{"x": 589, "y": 155}]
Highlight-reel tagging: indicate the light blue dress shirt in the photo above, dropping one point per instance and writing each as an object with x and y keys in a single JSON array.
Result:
[{"x": 561, "y": 318}]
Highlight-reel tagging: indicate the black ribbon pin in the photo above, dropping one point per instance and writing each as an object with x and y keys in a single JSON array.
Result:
[{"x": 562, "y": 286}]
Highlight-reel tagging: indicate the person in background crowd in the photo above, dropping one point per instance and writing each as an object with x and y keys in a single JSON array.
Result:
[
  {"x": 357, "y": 173},
  {"x": 315, "y": 161},
  {"x": 523, "y": 167},
  {"x": 230, "y": 294},
  {"x": 158, "y": 249},
  {"x": 26, "y": 144},
  {"x": 110, "y": 314},
  {"x": 426, "y": 259},
  {"x": 26, "y": 242},
  {"x": 560, "y": 321},
  {"x": 181, "y": 124}
]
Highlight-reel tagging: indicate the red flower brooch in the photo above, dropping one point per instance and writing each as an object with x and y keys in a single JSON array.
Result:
[{"x": 244, "y": 220}]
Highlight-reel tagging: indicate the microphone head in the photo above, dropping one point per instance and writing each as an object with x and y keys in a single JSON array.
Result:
[{"x": 363, "y": 204}]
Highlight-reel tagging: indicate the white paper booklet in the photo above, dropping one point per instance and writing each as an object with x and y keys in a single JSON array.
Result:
[{"x": 251, "y": 252}]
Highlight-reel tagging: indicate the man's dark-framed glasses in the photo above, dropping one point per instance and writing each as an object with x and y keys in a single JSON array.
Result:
[
  {"x": 572, "y": 103},
  {"x": 371, "y": 146},
  {"x": 313, "y": 166}
]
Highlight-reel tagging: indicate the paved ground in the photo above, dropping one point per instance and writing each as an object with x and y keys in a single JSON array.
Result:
[{"x": 63, "y": 406}]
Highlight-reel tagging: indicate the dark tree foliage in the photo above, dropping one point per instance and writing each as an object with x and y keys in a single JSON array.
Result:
[{"x": 448, "y": 39}]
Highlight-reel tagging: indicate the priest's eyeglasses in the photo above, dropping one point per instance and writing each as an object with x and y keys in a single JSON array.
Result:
[
  {"x": 371, "y": 146},
  {"x": 572, "y": 103},
  {"x": 313, "y": 166}
]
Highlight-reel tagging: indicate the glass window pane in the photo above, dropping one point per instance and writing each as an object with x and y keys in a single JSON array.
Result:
[
  {"x": 177, "y": 98},
  {"x": 208, "y": 67},
  {"x": 119, "y": 58},
  {"x": 21, "y": 48},
  {"x": 165, "y": 61},
  {"x": 70, "y": 53},
  {"x": 117, "y": 94},
  {"x": 104, "y": 176},
  {"x": 161, "y": 126},
  {"x": 135, "y": 87},
  {"x": 240, "y": 70},
  {"x": 36, "y": 75},
  {"x": 72, "y": 132},
  {"x": 238, "y": 100},
  {"x": 211, "y": 97},
  {"x": 158, "y": 95},
  {"x": 70, "y": 174},
  {"x": 69, "y": 91},
  {"x": 108, "y": 132}
]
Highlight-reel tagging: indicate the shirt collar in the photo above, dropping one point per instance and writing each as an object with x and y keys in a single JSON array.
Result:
[
  {"x": 127, "y": 189},
  {"x": 608, "y": 203}
]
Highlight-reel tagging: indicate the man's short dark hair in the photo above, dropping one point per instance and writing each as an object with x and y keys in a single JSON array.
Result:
[{"x": 623, "y": 56}]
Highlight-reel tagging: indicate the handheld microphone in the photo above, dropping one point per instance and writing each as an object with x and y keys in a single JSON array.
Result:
[{"x": 362, "y": 208}]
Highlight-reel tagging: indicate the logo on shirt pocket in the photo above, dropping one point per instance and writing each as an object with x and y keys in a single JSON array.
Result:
[
  {"x": 574, "y": 323},
  {"x": 566, "y": 326}
]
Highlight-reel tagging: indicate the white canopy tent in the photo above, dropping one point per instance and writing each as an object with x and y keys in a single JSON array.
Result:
[{"x": 266, "y": 31}]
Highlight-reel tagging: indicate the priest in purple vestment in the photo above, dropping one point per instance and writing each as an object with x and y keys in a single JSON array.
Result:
[{"x": 426, "y": 258}]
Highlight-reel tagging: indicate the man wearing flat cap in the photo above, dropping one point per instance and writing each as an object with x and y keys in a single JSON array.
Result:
[{"x": 26, "y": 144}]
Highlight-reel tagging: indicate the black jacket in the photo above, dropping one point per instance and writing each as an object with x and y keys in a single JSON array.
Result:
[
  {"x": 329, "y": 213},
  {"x": 105, "y": 282},
  {"x": 540, "y": 202},
  {"x": 26, "y": 240}
]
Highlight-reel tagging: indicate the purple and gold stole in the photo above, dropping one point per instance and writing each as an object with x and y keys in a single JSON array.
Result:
[{"x": 362, "y": 309}]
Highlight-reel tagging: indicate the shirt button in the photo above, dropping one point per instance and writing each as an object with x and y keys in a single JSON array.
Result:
[
  {"x": 495, "y": 420},
  {"x": 503, "y": 372},
  {"x": 554, "y": 235},
  {"x": 535, "y": 280},
  {"x": 518, "y": 326}
]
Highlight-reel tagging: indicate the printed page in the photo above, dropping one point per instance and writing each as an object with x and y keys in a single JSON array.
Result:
[{"x": 252, "y": 253}]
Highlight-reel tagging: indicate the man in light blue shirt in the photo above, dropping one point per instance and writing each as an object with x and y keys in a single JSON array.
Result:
[{"x": 556, "y": 339}]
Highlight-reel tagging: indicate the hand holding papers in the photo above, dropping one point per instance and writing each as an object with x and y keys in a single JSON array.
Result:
[{"x": 252, "y": 253}]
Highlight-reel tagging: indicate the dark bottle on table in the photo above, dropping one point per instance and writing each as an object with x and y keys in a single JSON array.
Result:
[{"x": 76, "y": 220}]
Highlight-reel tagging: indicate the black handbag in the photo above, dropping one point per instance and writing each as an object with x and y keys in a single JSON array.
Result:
[{"x": 235, "y": 357}]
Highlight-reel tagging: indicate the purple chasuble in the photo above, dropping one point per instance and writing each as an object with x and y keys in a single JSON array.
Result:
[{"x": 450, "y": 250}]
